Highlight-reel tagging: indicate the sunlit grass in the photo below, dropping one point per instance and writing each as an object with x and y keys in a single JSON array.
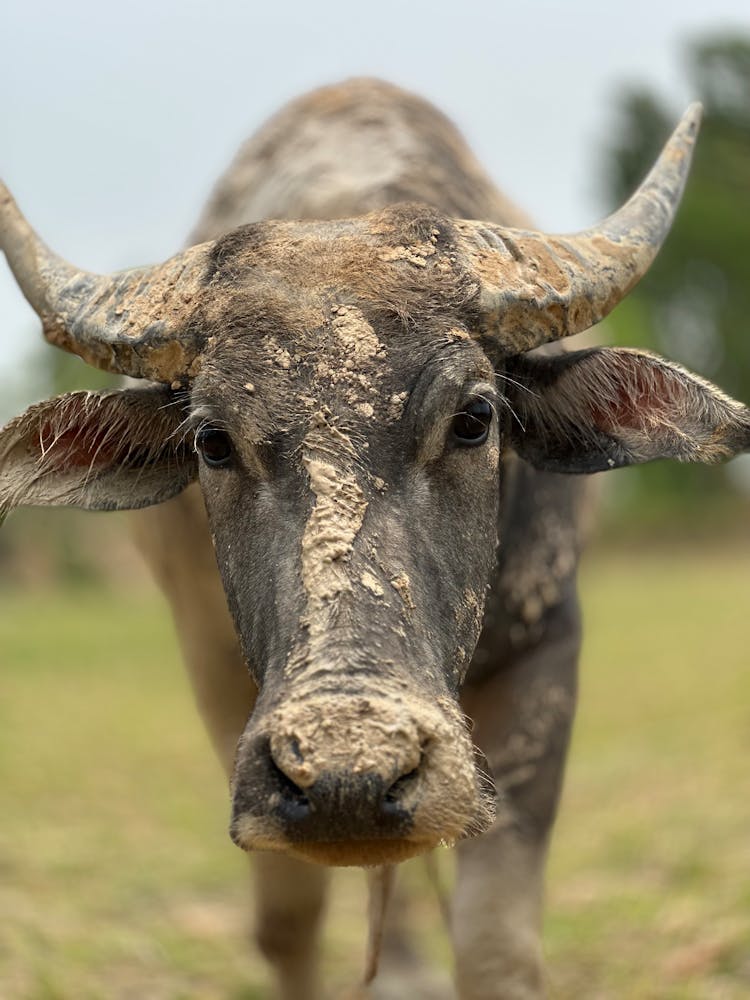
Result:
[{"x": 117, "y": 878}]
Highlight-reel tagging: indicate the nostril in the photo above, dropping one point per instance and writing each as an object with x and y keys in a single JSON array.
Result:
[
  {"x": 294, "y": 803},
  {"x": 400, "y": 786}
]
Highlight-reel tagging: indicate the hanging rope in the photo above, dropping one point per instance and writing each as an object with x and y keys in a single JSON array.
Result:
[{"x": 379, "y": 886}]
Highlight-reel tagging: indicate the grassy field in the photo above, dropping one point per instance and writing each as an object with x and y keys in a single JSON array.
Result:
[{"x": 117, "y": 878}]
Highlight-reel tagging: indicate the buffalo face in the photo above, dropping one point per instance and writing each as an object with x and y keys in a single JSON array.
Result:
[{"x": 350, "y": 473}]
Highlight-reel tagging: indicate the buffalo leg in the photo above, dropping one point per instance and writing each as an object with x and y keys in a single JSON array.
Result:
[
  {"x": 522, "y": 712},
  {"x": 289, "y": 903}
]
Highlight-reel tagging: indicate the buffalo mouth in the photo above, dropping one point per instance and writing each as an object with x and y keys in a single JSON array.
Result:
[
  {"x": 253, "y": 833},
  {"x": 361, "y": 853}
]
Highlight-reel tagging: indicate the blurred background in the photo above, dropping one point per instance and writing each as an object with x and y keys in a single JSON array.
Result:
[{"x": 116, "y": 876}]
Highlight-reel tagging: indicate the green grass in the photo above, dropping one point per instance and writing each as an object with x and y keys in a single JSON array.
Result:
[
  {"x": 650, "y": 875},
  {"x": 117, "y": 878}
]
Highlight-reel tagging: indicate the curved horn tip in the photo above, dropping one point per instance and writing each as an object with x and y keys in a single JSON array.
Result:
[
  {"x": 25, "y": 251},
  {"x": 5, "y": 195},
  {"x": 679, "y": 145},
  {"x": 10, "y": 214},
  {"x": 682, "y": 140},
  {"x": 688, "y": 125},
  {"x": 20, "y": 243},
  {"x": 693, "y": 113}
]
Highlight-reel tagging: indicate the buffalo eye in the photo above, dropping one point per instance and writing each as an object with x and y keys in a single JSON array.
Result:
[
  {"x": 472, "y": 425},
  {"x": 214, "y": 446}
]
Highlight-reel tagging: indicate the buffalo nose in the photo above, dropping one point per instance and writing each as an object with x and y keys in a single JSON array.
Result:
[{"x": 338, "y": 803}]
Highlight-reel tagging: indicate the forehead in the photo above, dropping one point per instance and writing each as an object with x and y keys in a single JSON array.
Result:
[
  {"x": 401, "y": 262},
  {"x": 381, "y": 248},
  {"x": 334, "y": 355},
  {"x": 347, "y": 314}
]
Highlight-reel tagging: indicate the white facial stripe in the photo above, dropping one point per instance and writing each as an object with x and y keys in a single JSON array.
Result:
[{"x": 335, "y": 520}]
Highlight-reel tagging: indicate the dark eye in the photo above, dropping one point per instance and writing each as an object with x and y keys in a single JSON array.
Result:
[
  {"x": 472, "y": 425},
  {"x": 214, "y": 446}
]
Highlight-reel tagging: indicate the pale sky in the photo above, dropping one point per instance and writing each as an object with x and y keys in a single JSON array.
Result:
[{"x": 116, "y": 119}]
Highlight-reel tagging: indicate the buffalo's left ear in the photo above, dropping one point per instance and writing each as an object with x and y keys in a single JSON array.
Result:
[
  {"x": 99, "y": 450},
  {"x": 588, "y": 411}
]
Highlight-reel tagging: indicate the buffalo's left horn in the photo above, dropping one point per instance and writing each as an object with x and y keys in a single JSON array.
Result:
[
  {"x": 133, "y": 323},
  {"x": 535, "y": 288}
]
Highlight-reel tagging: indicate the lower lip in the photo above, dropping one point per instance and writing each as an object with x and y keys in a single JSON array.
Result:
[
  {"x": 362, "y": 853},
  {"x": 348, "y": 853}
]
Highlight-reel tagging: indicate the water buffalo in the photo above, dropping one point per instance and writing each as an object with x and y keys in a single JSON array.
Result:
[{"x": 368, "y": 394}]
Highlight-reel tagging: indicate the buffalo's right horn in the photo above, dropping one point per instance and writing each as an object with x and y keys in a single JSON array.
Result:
[{"x": 133, "y": 322}]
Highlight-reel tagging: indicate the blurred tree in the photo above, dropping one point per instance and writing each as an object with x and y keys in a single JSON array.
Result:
[{"x": 694, "y": 304}]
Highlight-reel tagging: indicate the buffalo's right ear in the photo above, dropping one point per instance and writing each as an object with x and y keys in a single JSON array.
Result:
[{"x": 98, "y": 450}]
